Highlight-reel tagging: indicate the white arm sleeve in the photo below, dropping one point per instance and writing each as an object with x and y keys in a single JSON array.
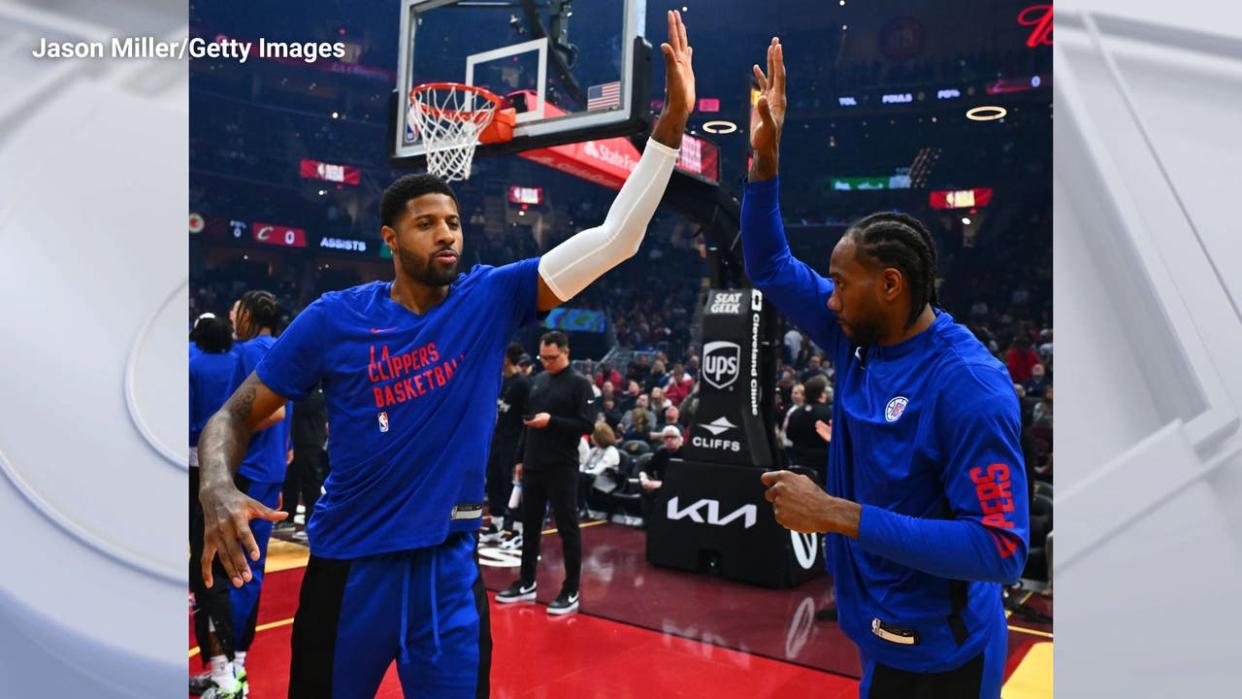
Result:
[{"x": 571, "y": 266}]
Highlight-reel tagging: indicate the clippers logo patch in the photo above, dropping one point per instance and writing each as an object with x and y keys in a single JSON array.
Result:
[
  {"x": 895, "y": 408},
  {"x": 383, "y": 421}
]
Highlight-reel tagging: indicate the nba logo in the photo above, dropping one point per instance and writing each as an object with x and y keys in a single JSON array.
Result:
[
  {"x": 895, "y": 408},
  {"x": 383, "y": 422}
]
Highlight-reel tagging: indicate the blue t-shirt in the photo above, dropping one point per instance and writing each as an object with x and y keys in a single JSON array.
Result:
[
  {"x": 211, "y": 383},
  {"x": 926, "y": 437},
  {"x": 267, "y": 456},
  {"x": 411, "y": 404}
]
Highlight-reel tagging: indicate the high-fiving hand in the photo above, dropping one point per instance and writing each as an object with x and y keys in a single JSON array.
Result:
[
  {"x": 679, "y": 96},
  {"x": 765, "y": 134},
  {"x": 678, "y": 71}
]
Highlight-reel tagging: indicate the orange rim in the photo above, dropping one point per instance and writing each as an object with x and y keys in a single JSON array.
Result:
[{"x": 457, "y": 114}]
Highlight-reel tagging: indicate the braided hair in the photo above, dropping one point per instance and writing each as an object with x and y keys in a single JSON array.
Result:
[
  {"x": 262, "y": 311},
  {"x": 901, "y": 241}
]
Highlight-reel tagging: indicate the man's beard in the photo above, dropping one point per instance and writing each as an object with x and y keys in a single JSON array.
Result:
[
  {"x": 862, "y": 335},
  {"x": 422, "y": 270}
]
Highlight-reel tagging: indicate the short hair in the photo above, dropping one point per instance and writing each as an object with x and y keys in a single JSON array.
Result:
[
  {"x": 555, "y": 337},
  {"x": 899, "y": 240},
  {"x": 603, "y": 435},
  {"x": 261, "y": 307},
  {"x": 671, "y": 431},
  {"x": 815, "y": 387},
  {"x": 212, "y": 334},
  {"x": 407, "y": 187},
  {"x": 514, "y": 352}
]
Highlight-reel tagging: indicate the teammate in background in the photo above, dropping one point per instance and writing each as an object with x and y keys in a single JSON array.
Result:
[
  {"x": 410, "y": 370},
  {"x": 510, "y": 407},
  {"x": 261, "y": 475},
  {"x": 924, "y": 514},
  {"x": 212, "y": 364}
]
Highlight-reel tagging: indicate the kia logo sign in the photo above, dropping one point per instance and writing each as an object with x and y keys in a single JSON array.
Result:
[
  {"x": 806, "y": 548},
  {"x": 711, "y": 508},
  {"x": 720, "y": 363}
]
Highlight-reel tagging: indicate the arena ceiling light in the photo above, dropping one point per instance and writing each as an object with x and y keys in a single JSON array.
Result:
[
  {"x": 986, "y": 113},
  {"x": 719, "y": 126}
]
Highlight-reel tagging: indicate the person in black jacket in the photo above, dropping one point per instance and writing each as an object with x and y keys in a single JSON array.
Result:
[
  {"x": 561, "y": 403},
  {"x": 810, "y": 448},
  {"x": 309, "y": 465}
]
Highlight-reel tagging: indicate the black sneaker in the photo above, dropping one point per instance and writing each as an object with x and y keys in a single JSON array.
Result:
[
  {"x": 510, "y": 541},
  {"x": 490, "y": 535},
  {"x": 200, "y": 683},
  {"x": 517, "y": 592},
  {"x": 565, "y": 603}
]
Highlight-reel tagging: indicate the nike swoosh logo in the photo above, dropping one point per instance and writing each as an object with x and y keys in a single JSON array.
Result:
[{"x": 375, "y": 331}]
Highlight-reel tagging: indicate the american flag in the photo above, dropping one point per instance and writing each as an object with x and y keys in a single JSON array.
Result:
[{"x": 604, "y": 96}]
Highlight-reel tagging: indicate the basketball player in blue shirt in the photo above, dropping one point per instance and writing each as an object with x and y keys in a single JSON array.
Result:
[
  {"x": 925, "y": 509},
  {"x": 410, "y": 372}
]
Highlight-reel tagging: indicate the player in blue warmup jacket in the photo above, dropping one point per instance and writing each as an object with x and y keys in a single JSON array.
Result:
[
  {"x": 925, "y": 510},
  {"x": 261, "y": 474},
  {"x": 410, "y": 372},
  {"x": 212, "y": 364}
]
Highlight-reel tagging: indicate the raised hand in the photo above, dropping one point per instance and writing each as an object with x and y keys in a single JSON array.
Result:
[
  {"x": 678, "y": 71},
  {"x": 679, "y": 97},
  {"x": 765, "y": 135}
]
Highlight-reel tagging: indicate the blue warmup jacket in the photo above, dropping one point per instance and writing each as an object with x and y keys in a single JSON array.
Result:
[{"x": 926, "y": 437}]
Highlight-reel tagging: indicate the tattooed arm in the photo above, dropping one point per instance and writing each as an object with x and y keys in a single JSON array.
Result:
[
  {"x": 226, "y": 510},
  {"x": 271, "y": 419}
]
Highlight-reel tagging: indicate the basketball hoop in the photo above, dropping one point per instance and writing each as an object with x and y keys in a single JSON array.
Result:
[{"x": 453, "y": 119}]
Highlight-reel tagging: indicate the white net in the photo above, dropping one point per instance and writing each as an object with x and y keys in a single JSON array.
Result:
[{"x": 450, "y": 119}]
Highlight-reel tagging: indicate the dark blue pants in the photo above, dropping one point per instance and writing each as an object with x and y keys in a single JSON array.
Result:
[{"x": 425, "y": 609}]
